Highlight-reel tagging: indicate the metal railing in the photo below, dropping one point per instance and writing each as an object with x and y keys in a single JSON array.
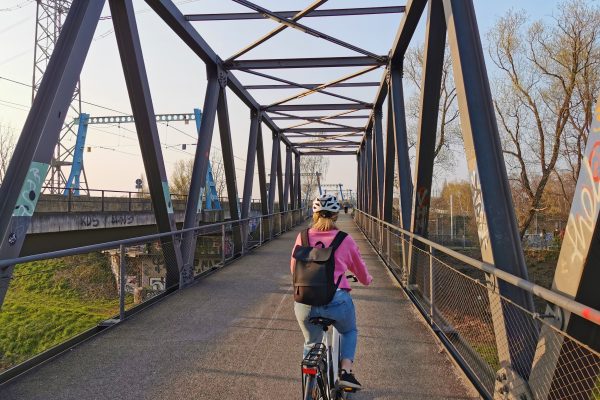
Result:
[
  {"x": 104, "y": 200},
  {"x": 459, "y": 296},
  {"x": 97, "y": 286}
]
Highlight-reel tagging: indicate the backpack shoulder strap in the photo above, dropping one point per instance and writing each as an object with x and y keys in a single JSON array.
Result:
[
  {"x": 337, "y": 240},
  {"x": 304, "y": 237}
]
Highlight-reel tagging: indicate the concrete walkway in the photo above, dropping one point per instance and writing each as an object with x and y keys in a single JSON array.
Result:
[{"x": 233, "y": 335}]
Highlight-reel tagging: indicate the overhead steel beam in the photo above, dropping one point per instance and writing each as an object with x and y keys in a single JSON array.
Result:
[
  {"x": 315, "y": 107},
  {"x": 319, "y": 62},
  {"x": 29, "y": 165},
  {"x": 132, "y": 60},
  {"x": 339, "y": 96},
  {"x": 229, "y": 164},
  {"x": 408, "y": 25},
  {"x": 326, "y": 144},
  {"x": 495, "y": 216},
  {"x": 320, "y": 88},
  {"x": 173, "y": 17},
  {"x": 277, "y": 30},
  {"x": 328, "y": 153},
  {"x": 314, "y": 117},
  {"x": 317, "y": 120},
  {"x": 311, "y": 85},
  {"x": 316, "y": 130},
  {"x": 336, "y": 12},
  {"x": 198, "y": 178},
  {"x": 307, "y": 135},
  {"x": 306, "y": 29}
]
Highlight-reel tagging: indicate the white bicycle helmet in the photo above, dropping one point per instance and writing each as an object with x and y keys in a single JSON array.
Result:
[{"x": 326, "y": 202}]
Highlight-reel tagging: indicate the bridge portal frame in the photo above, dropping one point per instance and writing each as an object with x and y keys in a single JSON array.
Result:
[{"x": 494, "y": 211}]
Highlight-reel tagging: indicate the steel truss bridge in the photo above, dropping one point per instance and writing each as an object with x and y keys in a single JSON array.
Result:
[{"x": 512, "y": 338}]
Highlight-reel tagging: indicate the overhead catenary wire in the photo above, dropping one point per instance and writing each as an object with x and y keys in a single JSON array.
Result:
[{"x": 121, "y": 127}]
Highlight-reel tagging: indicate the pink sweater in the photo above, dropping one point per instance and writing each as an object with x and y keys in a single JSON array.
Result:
[{"x": 347, "y": 257}]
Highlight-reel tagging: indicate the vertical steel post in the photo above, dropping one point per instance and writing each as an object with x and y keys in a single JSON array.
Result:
[
  {"x": 379, "y": 162},
  {"x": 223, "y": 244},
  {"x": 390, "y": 163},
  {"x": 122, "y": 277},
  {"x": 262, "y": 173},
  {"x": 297, "y": 183},
  {"x": 288, "y": 177},
  {"x": 401, "y": 143},
  {"x": 229, "y": 165},
  {"x": 280, "y": 183},
  {"x": 29, "y": 165},
  {"x": 273, "y": 180},
  {"x": 428, "y": 120},
  {"x": 496, "y": 222},
  {"x": 368, "y": 171},
  {"x": 132, "y": 59},
  {"x": 249, "y": 175},
  {"x": 198, "y": 178}
]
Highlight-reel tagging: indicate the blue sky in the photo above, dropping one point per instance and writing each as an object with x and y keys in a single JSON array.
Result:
[{"x": 177, "y": 77}]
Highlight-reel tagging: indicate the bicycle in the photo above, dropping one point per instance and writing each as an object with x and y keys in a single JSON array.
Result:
[{"x": 319, "y": 370}]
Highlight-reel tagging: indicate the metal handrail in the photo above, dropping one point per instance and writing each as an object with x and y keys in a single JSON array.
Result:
[
  {"x": 555, "y": 298},
  {"x": 131, "y": 241}
]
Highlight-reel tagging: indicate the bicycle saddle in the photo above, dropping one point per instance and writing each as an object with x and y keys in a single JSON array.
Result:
[{"x": 324, "y": 322}]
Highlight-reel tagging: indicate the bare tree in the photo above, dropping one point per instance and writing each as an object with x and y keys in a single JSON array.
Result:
[
  {"x": 182, "y": 175},
  {"x": 310, "y": 166},
  {"x": 448, "y": 128},
  {"x": 218, "y": 170},
  {"x": 540, "y": 67},
  {"x": 7, "y": 146}
]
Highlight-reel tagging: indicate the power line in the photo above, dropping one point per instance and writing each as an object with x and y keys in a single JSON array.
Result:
[
  {"x": 121, "y": 112},
  {"x": 17, "y": 6}
]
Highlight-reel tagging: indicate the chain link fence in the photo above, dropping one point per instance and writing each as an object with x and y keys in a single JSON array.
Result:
[{"x": 508, "y": 351}]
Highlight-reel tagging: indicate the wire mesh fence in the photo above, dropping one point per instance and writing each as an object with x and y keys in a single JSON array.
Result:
[
  {"x": 55, "y": 298},
  {"x": 507, "y": 350}
]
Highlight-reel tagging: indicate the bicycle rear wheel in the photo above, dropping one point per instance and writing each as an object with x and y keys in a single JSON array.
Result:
[{"x": 314, "y": 388}]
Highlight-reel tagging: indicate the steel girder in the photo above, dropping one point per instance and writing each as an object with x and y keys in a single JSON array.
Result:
[
  {"x": 29, "y": 165},
  {"x": 273, "y": 174},
  {"x": 310, "y": 86},
  {"x": 290, "y": 14},
  {"x": 577, "y": 277},
  {"x": 496, "y": 221},
  {"x": 229, "y": 164},
  {"x": 277, "y": 30},
  {"x": 401, "y": 144},
  {"x": 321, "y": 62},
  {"x": 262, "y": 172},
  {"x": 134, "y": 70},
  {"x": 287, "y": 184}
]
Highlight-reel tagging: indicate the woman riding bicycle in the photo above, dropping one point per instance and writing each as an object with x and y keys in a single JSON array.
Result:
[{"x": 341, "y": 308}]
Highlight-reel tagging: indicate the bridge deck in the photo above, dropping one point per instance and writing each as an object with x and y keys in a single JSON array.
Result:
[{"x": 234, "y": 335}]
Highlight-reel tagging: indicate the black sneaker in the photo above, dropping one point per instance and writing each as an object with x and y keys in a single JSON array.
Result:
[{"x": 347, "y": 380}]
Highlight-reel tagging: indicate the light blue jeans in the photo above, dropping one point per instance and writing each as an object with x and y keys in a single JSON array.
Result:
[{"x": 340, "y": 309}]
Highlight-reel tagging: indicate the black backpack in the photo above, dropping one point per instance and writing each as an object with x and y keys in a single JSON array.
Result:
[{"x": 313, "y": 275}]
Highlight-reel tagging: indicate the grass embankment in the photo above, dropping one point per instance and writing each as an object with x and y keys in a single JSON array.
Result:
[{"x": 51, "y": 301}]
